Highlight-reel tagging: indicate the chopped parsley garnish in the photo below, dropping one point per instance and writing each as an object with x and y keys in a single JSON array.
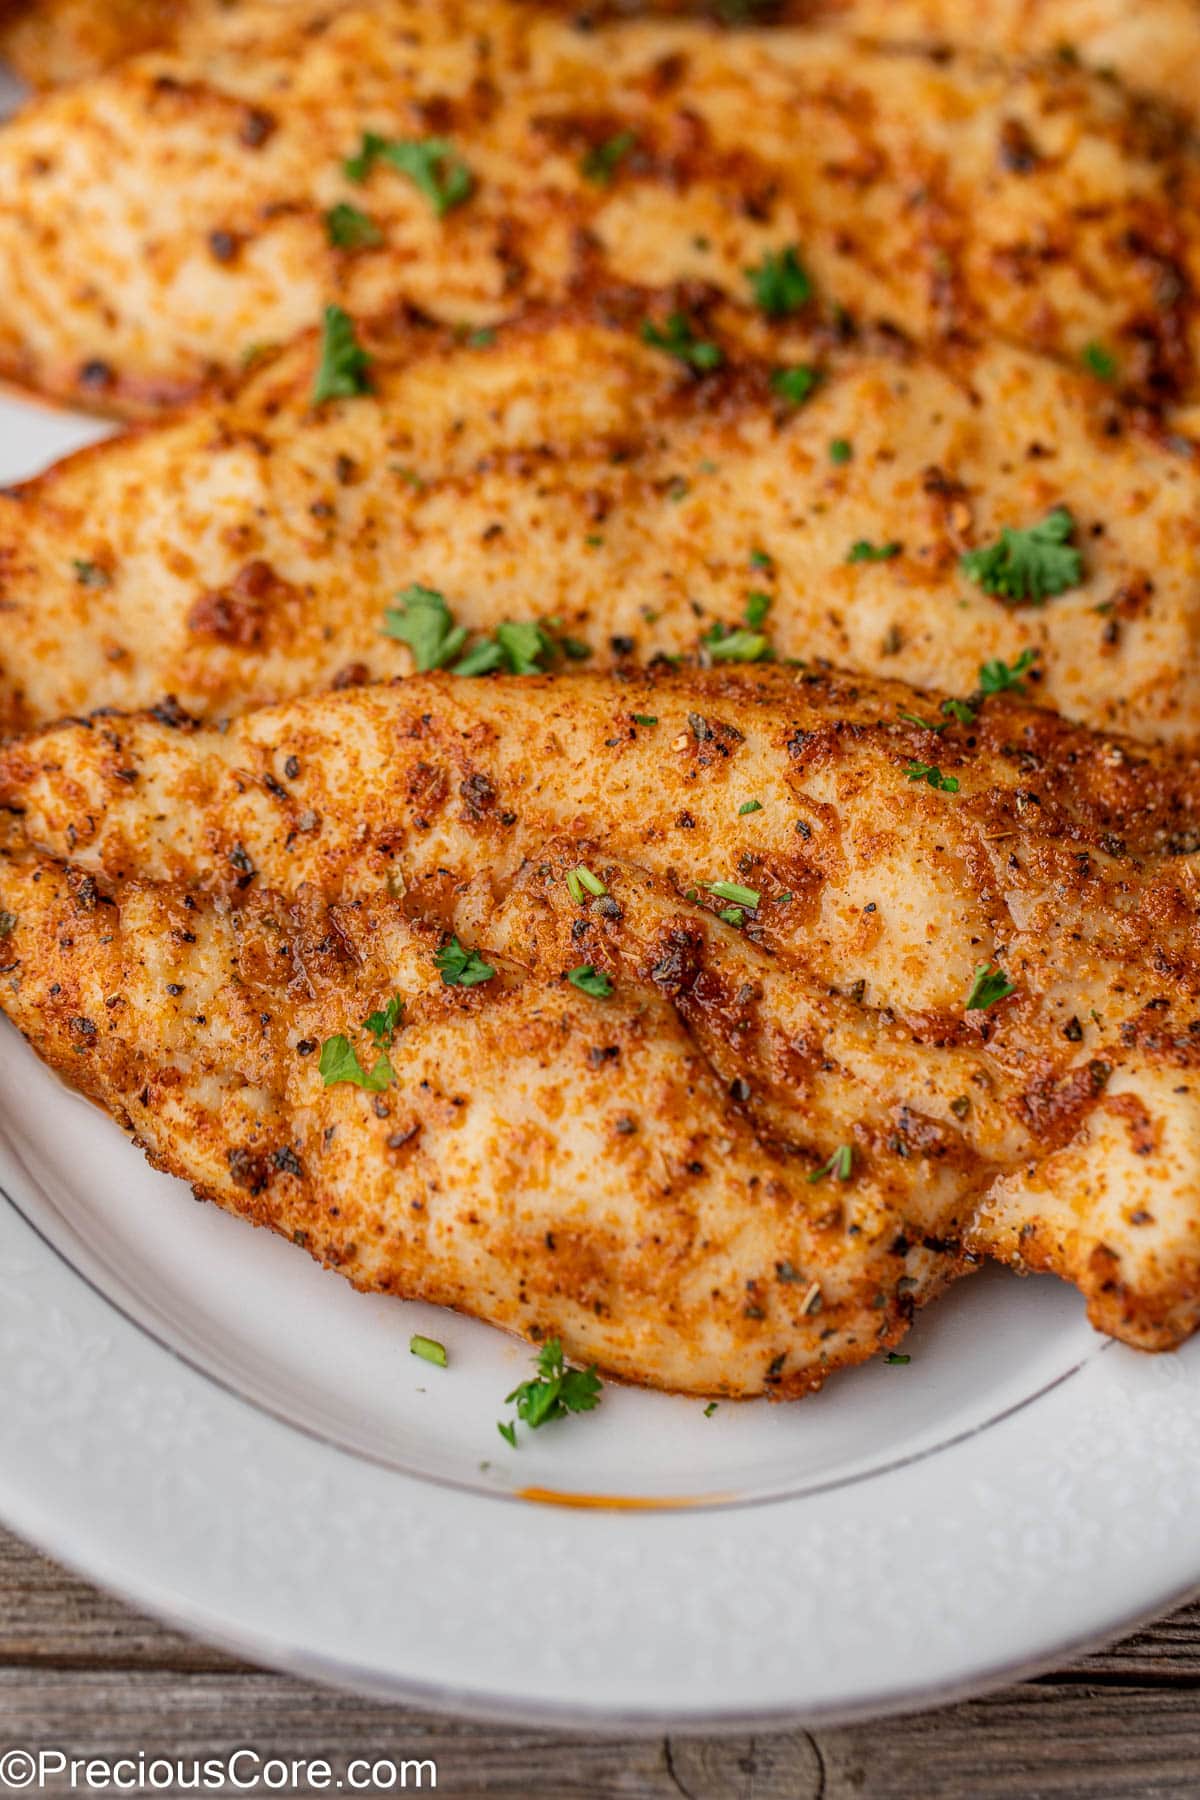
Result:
[
  {"x": 429, "y": 1350},
  {"x": 998, "y": 677},
  {"x": 749, "y": 806},
  {"x": 552, "y": 1393},
  {"x": 590, "y": 980},
  {"x": 433, "y": 166},
  {"x": 460, "y": 967},
  {"x": 522, "y": 646},
  {"x": 91, "y": 574},
  {"x": 894, "y": 1356},
  {"x": 733, "y": 891},
  {"x": 864, "y": 551},
  {"x": 723, "y": 645},
  {"x": 1032, "y": 563},
  {"x": 423, "y": 621},
  {"x": 581, "y": 881},
  {"x": 482, "y": 338},
  {"x": 758, "y": 605},
  {"x": 919, "y": 771},
  {"x": 710, "y": 1409},
  {"x": 350, "y": 228},
  {"x": 761, "y": 559},
  {"x": 678, "y": 338},
  {"x": 481, "y": 658},
  {"x": 990, "y": 984},
  {"x": 840, "y": 1165},
  {"x": 342, "y": 370},
  {"x": 732, "y": 915},
  {"x": 1101, "y": 362},
  {"x": 603, "y": 160},
  {"x": 794, "y": 384},
  {"x": 339, "y": 1059},
  {"x": 961, "y": 710},
  {"x": 840, "y": 450},
  {"x": 645, "y": 718},
  {"x": 780, "y": 283},
  {"x": 383, "y": 1025},
  {"x": 925, "y": 724}
]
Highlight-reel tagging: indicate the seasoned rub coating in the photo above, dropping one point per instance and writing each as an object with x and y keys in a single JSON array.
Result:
[
  {"x": 968, "y": 1004},
  {"x": 161, "y": 222},
  {"x": 566, "y": 471},
  {"x": 1154, "y": 46}
]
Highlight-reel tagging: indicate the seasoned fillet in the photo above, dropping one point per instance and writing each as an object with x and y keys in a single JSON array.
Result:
[
  {"x": 161, "y": 223},
  {"x": 860, "y": 1027},
  {"x": 567, "y": 472}
]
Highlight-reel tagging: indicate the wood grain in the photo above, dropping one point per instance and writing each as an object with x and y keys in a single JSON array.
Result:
[{"x": 80, "y": 1672}]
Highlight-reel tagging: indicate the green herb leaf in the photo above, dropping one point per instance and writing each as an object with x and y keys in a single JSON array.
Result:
[
  {"x": 960, "y": 710},
  {"x": 925, "y": 724},
  {"x": 795, "y": 384},
  {"x": 840, "y": 450},
  {"x": 732, "y": 915},
  {"x": 724, "y": 645},
  {"x": 780, "y": 283},
  {"x": 710, "y": 1409},
  {"x": 893, "y": 1356},
  {"x": 508, "y": 1432},
  {"x": 733, "y": 891},
  {"x": 990, "y": 984},
  {"x": 1028, "y": 564},
  {"x": 998, "y": 677},
  {"x": 1101, "y": 362},
  {"x": 423, "y": 621},
  {"x": 603, "y": 160},
  {"x": 351, "y": 229},
  {"x": 678, "y": 338},
  {"x": 523, "y": 646},
  {"x": 840, "y": 1165},
  {"x": 758, "y": 605},
  {"x": 645, "y": 719},
  {"x": 749, "y": 806},
  {"x": 919, "y": 771},
  {"x": 480, "y": 659},
  {"x": 433, "y": 166},
  {"x": 429, "y": 1350},
  {"x": 761, "y": 559},
  {"x": 383, "y": 1025},
  {"x": 460, "y": 967},
  {"x": 554, "y": 1392},
  {"x": 864, "y": 551},
  {"x": 342, "y": 370},
  {"x": 339, "y": 1063},
  {"x": 91, "y": 574},
  {"x": 591, "y": 981}
]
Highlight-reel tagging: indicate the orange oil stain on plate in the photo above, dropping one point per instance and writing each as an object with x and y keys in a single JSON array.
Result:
[{"x": 620, "y": 1502}]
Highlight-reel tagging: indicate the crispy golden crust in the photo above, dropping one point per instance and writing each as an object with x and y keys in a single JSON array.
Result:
[
  {"x": 566, "y": 471},
  {"x": 238, "y": 895},
  {"x": 1154, "y": 46},
  {"x": 159, "y": 222}
]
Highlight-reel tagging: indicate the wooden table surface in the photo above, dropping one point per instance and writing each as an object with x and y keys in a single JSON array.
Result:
[{"x": 81, "y": 1673}]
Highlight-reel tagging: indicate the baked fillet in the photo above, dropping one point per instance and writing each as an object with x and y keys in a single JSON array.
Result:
[
  {"x": 567, "y": 472},
  {"x": 160, "y": 223},
  {"x": 1153, "y": 46},
  {"x": 922, "y": 1023}
]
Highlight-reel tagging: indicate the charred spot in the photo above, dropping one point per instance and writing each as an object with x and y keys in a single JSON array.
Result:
[
  {"x": 1017, "y": 151},
  {"x": 248, "y": 1169},
  {"x": 678, "y": 959},
  {"x": 478, "y": 795},
  {"x": 257, "y": 125},
  {"x": 168, "y": 712},
  {"x": 97, "y": 375},
  {"x": 286, "y": 1161},
  {"x": 239, "y": 856},
  {"x": 223, "y": 246}
]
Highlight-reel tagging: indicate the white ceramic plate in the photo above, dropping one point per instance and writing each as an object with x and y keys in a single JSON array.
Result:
[{"x": 197, "y": 1417}]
